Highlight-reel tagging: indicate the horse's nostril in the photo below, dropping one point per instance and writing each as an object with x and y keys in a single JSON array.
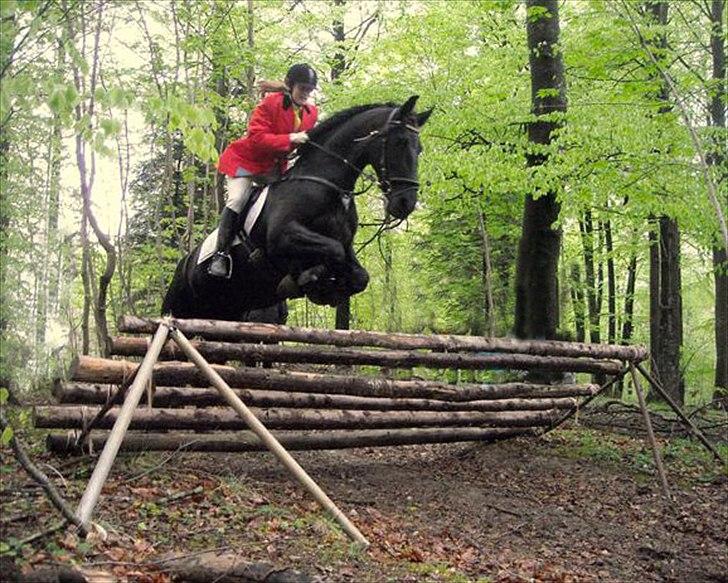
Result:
[{"x": 401, "y": 207}]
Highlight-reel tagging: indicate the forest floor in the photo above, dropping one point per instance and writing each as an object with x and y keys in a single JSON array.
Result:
[{"x": 576, "y": 505}]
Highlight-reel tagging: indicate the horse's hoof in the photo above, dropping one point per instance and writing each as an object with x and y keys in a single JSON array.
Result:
[
  {"x": 288, "y": 288},
  {"x": 310, "y": 276}
]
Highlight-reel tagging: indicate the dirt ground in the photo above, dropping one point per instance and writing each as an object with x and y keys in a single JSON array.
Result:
[{"x": 577, "y": 505}]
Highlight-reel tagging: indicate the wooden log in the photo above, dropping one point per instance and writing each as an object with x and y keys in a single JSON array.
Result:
[
  {"x": 270, "y": 442},
  {"x": 227, "y": 567},
  {"x": 101, "y": 370},
  {"x": 257, "y": 332},
  {"x": 106, "y": 459},
  {"x": 223, "y": 418},
  {"x": 221, "y": 351},
  {"x": 295, "y": 441},
  {"x": 173, "y": 397}
]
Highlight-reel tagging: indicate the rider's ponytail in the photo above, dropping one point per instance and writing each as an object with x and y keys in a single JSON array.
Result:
[{"x": 271, "y": 87}]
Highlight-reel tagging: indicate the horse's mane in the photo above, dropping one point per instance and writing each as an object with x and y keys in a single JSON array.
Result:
[{"x": 319, "y": 133}]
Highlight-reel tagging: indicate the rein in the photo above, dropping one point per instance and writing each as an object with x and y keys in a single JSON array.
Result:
[
  {"x": 342, "y": 191},
  {"x": 386, "y": 181}
]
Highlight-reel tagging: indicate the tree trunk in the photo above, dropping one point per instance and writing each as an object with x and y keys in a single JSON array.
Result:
[
  {"x": 48, "y": 293},
  {"x": 611, "y": 285},
  {"x": 175, "y": 397},
  {"x": 720, "y": 266},
  {"x": 221, "y": 351},
  {"x": 666, "y": 326},
  {"x": 586, "y": 228},
  {"x": 292, "y": 441},
  {"x": 257, "y": 332},
  {"x": 717, "y": 159},
  {"x": 100, "y": 370},
  {"x": 667, "y": 318},
  {"x": 7, "y": 45},
  {"x": 338, "y": 66},
  {"x": 537, "y": 307},
  {"x": 577, "y": 302},
  {"x": 629, "y": 300},
  {"x": 628, "y": 314},
  {"x": 220, "y": 84},
  {"x": 86, "y": 278},
  {"x": 85, "y": 111},
  {"x": 224, "y": 418},
  {"x": 343, "y": 315},
  {"x": 487, "y": 275}
]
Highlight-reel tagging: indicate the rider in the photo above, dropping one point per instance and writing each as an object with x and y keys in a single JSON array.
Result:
[{"x": 277, "y": 126}]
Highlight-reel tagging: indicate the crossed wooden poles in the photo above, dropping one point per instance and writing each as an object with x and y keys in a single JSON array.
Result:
[
  {"x": 134, "y": 387},
  {"x": 106, "y": 459}
]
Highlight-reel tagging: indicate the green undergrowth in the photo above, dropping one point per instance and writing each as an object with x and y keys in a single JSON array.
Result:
[
  {"x": 441, "y": 571},
  {"x": 687, "y": 459}
]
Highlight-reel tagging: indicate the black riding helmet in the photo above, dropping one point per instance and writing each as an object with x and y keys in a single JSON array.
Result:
[{"x": 301, "y": 73}]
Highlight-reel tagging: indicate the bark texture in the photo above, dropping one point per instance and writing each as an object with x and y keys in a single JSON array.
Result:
[
  {"x": 91, "y": 369},
  {"x": 222, "y": 418},
  {"x": 666, "y": 327},
  {"x": 221, "y": 351},
  {"x": 293, "y": 441},
  {"x": 174, "y": 397},
  {"x": 717, "y": 158},
  {"x": 258, "y": 332},
  {"x": 537, "y": 297}
]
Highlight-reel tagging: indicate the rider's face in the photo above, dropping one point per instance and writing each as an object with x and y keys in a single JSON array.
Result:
[{"x": 301, "y": 92}]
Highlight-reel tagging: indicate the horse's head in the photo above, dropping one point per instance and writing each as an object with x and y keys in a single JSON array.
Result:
[{"x": 396, "y": 166}]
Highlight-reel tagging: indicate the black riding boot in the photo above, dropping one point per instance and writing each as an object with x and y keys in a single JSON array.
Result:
[{"x": 221, "y": 264}]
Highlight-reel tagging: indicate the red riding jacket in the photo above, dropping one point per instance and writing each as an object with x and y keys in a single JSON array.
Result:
[{"x": 266, "y": 143}]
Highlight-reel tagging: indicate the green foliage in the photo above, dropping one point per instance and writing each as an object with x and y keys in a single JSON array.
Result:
[
  {"x": 7, "y": 436},
  {"x": 174, "y": 83},
  {"x": 686, "y": 458}
]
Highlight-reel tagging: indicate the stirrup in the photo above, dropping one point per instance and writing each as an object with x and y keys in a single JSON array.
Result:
[{"x": 221, "y": 265}]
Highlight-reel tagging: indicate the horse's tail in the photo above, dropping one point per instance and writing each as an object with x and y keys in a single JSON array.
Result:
[{"x": 177, "y": 296}]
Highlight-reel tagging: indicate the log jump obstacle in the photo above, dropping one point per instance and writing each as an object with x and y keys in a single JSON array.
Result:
[{"x": 183, "y": 395}]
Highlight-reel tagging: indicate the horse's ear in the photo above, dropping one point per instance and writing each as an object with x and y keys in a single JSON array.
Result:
[
  {"x": 408, "y": 107},
  {"x": 423, "y": 117}
]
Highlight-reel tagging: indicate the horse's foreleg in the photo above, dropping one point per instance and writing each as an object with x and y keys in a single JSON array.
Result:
[
  {"x": 358, "y": 276},
  {"x": 331, "y": 287},
  {"x": 298, "y": 245}
]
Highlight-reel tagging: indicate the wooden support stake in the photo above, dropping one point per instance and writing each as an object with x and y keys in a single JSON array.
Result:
[
  {"x": 650, "y": 433},
  {"x": 106, "y": 459},
  {"x": 585, "y": 402},
  {"x": 114, "y": 399},
  {"x": 267, "y": 438},
  {"x": 678, "y": 411}
]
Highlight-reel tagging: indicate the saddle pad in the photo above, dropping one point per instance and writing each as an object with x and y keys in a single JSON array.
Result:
[
  {"x": 255, "y": 211},
  {"x": 209, "y": 245}
]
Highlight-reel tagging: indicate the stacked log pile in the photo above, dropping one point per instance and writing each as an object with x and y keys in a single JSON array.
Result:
[{"x": 326, "y": 409}]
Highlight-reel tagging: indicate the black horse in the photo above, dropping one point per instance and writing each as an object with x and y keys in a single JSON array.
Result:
[{"x": 307, "y": 225}]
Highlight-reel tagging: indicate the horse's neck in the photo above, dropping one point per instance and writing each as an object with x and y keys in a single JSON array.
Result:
[{"x": 343, "y": 143}]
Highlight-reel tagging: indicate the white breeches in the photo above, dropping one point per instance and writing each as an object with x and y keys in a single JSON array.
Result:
[{"x": 238, "y": 192}]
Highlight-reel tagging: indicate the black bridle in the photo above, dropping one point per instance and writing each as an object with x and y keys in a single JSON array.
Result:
[{"x": 385, "y": 181}]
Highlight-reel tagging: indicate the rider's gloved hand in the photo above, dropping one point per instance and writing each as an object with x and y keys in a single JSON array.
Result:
[{"x": 299, "y": 138}]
